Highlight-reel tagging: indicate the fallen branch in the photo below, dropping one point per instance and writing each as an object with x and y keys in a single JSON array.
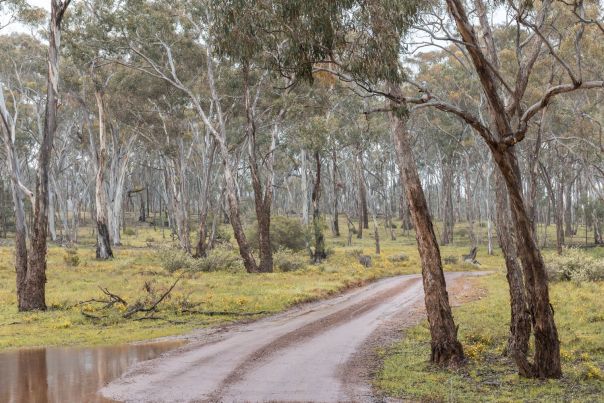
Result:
[
  {"x": 139, "y": 307},
  {"x": 112, "y": 300}
]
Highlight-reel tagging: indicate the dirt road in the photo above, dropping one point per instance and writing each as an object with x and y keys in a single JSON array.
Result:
[{"x": 318, "y": 352}]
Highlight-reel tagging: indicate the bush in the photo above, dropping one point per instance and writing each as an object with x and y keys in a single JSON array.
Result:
[
  {"x": 450, "y": 259},
  {"x": 172, "y": 259},
  {"x": 71, "y": 257},
  {"x": 365, "y": 260},
  {"x": 356, "y": 252},
  {"x": 222, "y": 235},
  {"x": 129, "y": 231},
  {"x": 399, "y": 257},
  {"x": 220, "y": 258},
  {"x": 288, "y": 260},
  {"x": 574, "y": 265},
  {"x": 286, "y": 233}
]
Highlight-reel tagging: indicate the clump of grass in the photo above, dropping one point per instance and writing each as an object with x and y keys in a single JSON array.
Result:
[
  {"x": 355, "y": 252},
  {"x": 173, "y": 259},
  {"x": 450, "y": 259},
  {"x": 220, "y": 258},
  {"x": 286, "y": 260},
  {"x": 398, "y": 257},
  {"x": 129, "y": 231},
  {"x": 71, "y": 257}
]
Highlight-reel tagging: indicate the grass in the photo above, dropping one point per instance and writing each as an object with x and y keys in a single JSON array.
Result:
[
  {"x": 488, "y": 375},
  {"x": 137, "y": 264}
]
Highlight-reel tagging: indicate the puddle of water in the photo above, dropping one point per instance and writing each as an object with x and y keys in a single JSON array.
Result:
[{"x": 55, "y": 374}]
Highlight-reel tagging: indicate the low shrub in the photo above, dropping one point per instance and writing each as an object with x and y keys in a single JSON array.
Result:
[
  {"x": 355, "y": 252},
  {"x": 220, "y": 258},
  {"x": 450, "y": 259},
  {"x": 398, "y": 257},
  {"x": 71, "y": 257},
  {"x": 286, "y": 233},
  {"x": 287, "y": 260},
  {"x": 574, "y": 265},
  {"x": 365, "y": 260},
  {"x": 172, "y": 259},
  {"x": 222, "y": 235},
  {"x": 129, "y": 231}
]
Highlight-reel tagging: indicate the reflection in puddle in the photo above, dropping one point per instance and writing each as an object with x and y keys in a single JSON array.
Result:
[{"x": 40, "y": 375}]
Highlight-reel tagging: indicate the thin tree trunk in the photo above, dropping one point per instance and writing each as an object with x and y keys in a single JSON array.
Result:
[
  {"x": 263, "y": 195},
  {"x": 363, "y": 212},
  {"x": 304, "y": 187},
  {"x": 568, "y": 211},
  {"x": 319, "y": 252},
  {"x": 21, "y": 252},
  {"x": 449, "y": 218},
  {"x": 376, "y": 234},
  {"x": 103, "y": 243},
  {"x": 404, "y": 205},
  {"x": 334, "y": 172},
  {"x": 445, "y": 348},
  {"x": 202, "y": 245}
]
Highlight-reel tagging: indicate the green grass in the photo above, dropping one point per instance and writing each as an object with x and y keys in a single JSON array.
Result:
[
  {"x": 137, "y": 263},
  {"x": 488, "y": 375}
]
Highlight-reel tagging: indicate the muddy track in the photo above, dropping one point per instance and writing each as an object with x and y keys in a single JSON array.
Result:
[{"x": 319, "y": 352}]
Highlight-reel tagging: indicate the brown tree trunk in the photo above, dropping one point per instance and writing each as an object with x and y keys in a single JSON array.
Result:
[
  {"x": 547, "y": 345},
  {"x": 334, "y": 172},
  {"x": 21, "y": 252},
  {"x": 470, "y": 210},
  {"x": 404, "y": 205},
  {"x": 568, "y": 212},
  {"x": 263, "y": 198},
  {"x": 448, "y": 216},
  {"x": 520, "y": 322},
  {"x": 445, "y": 348},
  {"x": 560, "y": 218},
  {"x": 363, "y": 210},
  {"x": 201, "y": 248},
  {"x": 376, "y": 234},
  {"x": 319, "y": 252},
  {"x": 235, "y": 217},
  {"x": 34, "y": 288}
]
